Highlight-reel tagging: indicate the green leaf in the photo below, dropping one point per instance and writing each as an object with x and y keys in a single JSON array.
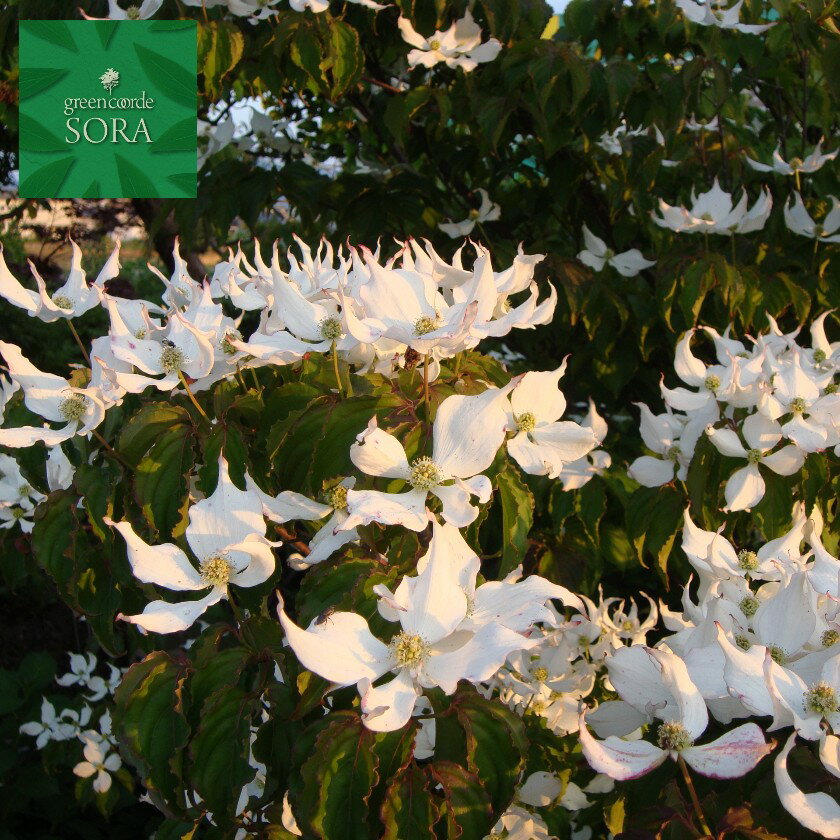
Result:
[
  {"x": 467, "y": 811},
  {"x": 345, "y": 419},
  {"x": 53, "y": 538},
  {"x": 146, "y": 426},
  {"x": 409, "y": 812},
  {"x": 220, "y": 750},
  {"x": 344, "y": 57},
  {"x": 160, "y": 482},
  {"x": 55, "y": 32},
  {"x": 496, "y": 746},
  {"x": 220, "y": 48},
  {"x": 517, "y": 517},
  {"x": 180, "y": 137},
  {"x": 35, "y": 80},
  {"x": 47, "y": 181},
  {"x": 338, "y": 779},
  {"x": 173, "y": 81},
  {"x": 133, "y": 181},
  {"x": 590, "y": 506},
  {"x": 150, "y": 723},
  {"x": 34, "y": 137}
]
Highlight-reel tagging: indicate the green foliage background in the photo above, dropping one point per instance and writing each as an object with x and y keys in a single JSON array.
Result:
[{"x": 525, "y": 128}]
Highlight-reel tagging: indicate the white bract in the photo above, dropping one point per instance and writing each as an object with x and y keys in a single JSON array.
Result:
[
  {"x": 99, "y": 763},
  {"x": 800, "y": 221}
]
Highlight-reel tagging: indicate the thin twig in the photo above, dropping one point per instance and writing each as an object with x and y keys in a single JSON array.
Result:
[
  {"x": 192, "y": 396},
  {"x": 693, "y": 794},
  {"x": 78, "y": 341},
  {"x": 111, "y": 451}
]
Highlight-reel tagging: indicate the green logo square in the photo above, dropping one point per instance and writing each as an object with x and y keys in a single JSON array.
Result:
[{"x": 107, "y": 109}]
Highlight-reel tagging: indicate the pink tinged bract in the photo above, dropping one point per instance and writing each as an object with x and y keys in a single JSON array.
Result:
[
  {"x": 730, "y": 756},
  {"x": 619, "y": 759}
]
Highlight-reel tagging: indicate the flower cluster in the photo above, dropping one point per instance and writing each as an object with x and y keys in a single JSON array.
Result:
[
  {"x": 100, "y": 756},
  {"x": 766, "y": 403}
]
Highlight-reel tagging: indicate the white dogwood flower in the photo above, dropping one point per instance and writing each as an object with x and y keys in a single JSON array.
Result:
[
  {"x": 467, "y": 433},
  {"x": 100, "y": 763},
  {"x": 596, "y": 255},
  {"x": 713, "y": 13},
  {"x": 800, "y": 221},
  {"x": 53, "y": 398},
  {"x": 488, "y": 211},
  {"x": 458, "y": 46},
  {"x": 226, "y": 535},
  {"x": 714, "y": 212},
  {"x": 542, "y": 444},
  {"x": 745, "y": 487},
  {"x": 656, "y": 684}
]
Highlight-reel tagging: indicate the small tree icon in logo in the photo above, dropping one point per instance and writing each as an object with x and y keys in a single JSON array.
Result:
[{"x": 110, "y": 79}]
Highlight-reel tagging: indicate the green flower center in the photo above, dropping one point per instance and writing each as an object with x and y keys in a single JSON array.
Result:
[
  {"x": 473, "y": 214},
  {"x": 434, "y": 44},
  {"x": 24, "y": 490},
  {"x": 743, "y": 642},
  {"x": 821, "y": 699},
  {"x": 336, "y": 497},
  {"x": 830, "y": 638},
  {"x": 62, "y": 301},
  {"x": 673, "y": 453},
  {"x": 609, "y": 254},
  {"x": 426, "y": 324},
  {"x": 330, "y": 329},
  {"x": 18, "y": 513},
  {"x": 425, "y": 474},
  {"x": 216, "y": 570},
  {"x": 778, "y": 654},
  {"x": 754, "y": 456},
  {"x": 749, "y": 605},
  {"x": 540, "y": 674},
  {"x": 526, "y": 422},
  {"x": 73, "y": 408},
  {"x": 673, "y": 736},
  {"x": 409, "y": 650},
  {"x": 798, "y": 405},
  {"x": 133, "y": 13},
  {"x": 141, "y": 334},
  {"x": 711, "y": 383},
  {"x": 707, "y": 217},
  {"x": 747, "y": 560},
  {"x": 796, "y": 163},
  {"x": 171, "y": 359},
  {"x": 820, "y": 356},
  {"x": 227, "y": 348},
  {"x": 627, "y": 625},
  {"x": 831, "y": 388}
]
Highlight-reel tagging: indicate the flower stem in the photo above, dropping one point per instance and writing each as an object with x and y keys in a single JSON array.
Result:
[
  {"x": 734, "y": 255},
  {"x": 426, "y": 401},
  {"x": 256, "y": 381},
  {"x": 334, "y": 352},
  {"x": 78, "y": 341},
  {"x": 190, "y": 394},
  {"x": 110, "y": 450},
  {"x": 814, "y": 255},
  {"x": 693, "y": 794}
]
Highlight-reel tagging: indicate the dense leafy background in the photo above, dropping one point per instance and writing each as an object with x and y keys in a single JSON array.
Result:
[{"x": 525, "y": 128}]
